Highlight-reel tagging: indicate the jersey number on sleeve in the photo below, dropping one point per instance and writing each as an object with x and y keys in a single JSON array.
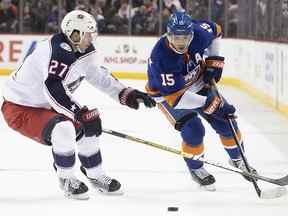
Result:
[
  {"x": 207, "y": 27},
  {"x": 167, "y": 80},
  {"x": 58, "y": 68}
]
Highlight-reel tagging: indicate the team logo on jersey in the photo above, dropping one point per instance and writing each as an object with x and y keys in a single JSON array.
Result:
[
  {"x": 66, "y": 47},
  {"x": 193, "y": 74}
]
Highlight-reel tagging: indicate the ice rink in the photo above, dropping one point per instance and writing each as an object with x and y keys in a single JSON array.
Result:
[{"x": 152, "y": 179}]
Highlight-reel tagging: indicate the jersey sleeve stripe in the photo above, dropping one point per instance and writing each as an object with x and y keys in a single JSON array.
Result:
[{"x": 152, "y": 92}]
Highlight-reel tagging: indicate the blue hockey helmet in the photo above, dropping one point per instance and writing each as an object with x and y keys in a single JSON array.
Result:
[{"x": 180, "y": 31}]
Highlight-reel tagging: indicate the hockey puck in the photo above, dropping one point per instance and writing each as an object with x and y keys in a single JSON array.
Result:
[{"x": 172, "y": 209}]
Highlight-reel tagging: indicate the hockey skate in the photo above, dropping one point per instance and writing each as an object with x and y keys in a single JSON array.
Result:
[
  {"x": 203, "y": 178},
  {"x": 73, "y": 188},
  {"x": 240, "y": 165},
  {"x": 104, "y": 184}
]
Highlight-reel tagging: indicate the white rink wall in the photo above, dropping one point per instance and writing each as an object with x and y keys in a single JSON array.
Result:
[
  {"x": 259, "y": 66},
  {"x": 263, "y": 66}
]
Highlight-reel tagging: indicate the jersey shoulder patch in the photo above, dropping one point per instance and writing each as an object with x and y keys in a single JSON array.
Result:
[
  {"x": 61, "y": 50},
  {"x": 66, "y": 46}
]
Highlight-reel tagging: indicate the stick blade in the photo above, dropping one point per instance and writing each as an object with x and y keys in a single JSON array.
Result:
[
  {"x": 282, "y": 181},
  {"x": 273, "y": 193}
]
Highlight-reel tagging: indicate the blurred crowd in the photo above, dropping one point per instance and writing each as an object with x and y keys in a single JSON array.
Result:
[
  {"x": 260, "y": 19},
  {"x": 112, "y": 16}
]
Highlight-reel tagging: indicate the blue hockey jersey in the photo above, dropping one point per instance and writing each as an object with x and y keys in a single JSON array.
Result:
[{"x": 170, "y": 73}]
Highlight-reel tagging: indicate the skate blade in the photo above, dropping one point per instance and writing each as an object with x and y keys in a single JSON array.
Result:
[
  {"x": 210, "y": 188},
  {"x": 114, "y": 193},
  {"x": 84, "y": 196}
]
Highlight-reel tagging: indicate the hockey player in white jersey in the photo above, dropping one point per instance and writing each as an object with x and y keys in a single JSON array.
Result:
[{"x": 38, "y": 103}]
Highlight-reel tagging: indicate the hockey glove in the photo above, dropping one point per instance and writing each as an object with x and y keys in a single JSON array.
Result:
[
  {"x": 213, "y": 68},
  {"x": 90, "y": 121},
  {"x": 215, "y": 105},
  {"x": 132, "y": 97}
]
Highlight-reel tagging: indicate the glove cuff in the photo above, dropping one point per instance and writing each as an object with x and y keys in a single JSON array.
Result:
[
  {"x": 86, "y": 115},
  {"x": 213, "y": 105},
  {"x": 215, "y": 62}
]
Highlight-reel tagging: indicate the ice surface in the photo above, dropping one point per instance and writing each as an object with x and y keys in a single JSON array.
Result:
[{"x": 152, "y": 179}]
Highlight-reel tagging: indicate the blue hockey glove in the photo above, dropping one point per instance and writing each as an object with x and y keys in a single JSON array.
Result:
[
  {"x": 132, "y": 97},
  {"x": 213, "y": 68},
  {"x": 215, "y": 105}
]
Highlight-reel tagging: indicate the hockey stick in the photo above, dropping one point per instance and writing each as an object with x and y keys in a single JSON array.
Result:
[
  {"x": 281, "y": 181},
  {"x": 261, "y": 194}
]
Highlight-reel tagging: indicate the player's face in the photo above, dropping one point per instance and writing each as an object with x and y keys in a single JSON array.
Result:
[
  {"x": 86, "y": 40},
  {"x": 180, "y": 42}
]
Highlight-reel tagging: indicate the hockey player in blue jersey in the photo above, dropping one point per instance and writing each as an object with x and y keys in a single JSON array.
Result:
[{"x": 180, "y": 69}]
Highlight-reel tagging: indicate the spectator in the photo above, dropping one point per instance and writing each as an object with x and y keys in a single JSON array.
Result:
[
  {"x": 52, "y": 20},
  {"x": 95, "y": 8},
  {"x": 138, "y": 20},
  {"x": 199, "y": 9},
  {"x": 123, "y": 11},
  {"x": 70, "y": 5},
  {"x": 119, "y": 23},
  {"x": 39, "y": 11},
  {"x": 108, "y": 9},
  {"x": 82, "y": 5},
  {"x": 218, "y": 11},
  {"x": 165, "y": 18},
  {"x": 174, "y": 5},
  {"x": 27, "y": 18},
  {"x": 8, "y": 17},
  {"x": 232, "y": 18},
  {"x": 145, "y": 20},
  {"x": 183, "y": 4}
]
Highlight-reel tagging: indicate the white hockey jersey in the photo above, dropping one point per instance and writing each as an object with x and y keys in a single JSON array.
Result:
[{"x": 52, "y": 72}]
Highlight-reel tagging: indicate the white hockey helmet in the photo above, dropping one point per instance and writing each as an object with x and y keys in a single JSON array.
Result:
[{"x": 78, "y": 20}]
